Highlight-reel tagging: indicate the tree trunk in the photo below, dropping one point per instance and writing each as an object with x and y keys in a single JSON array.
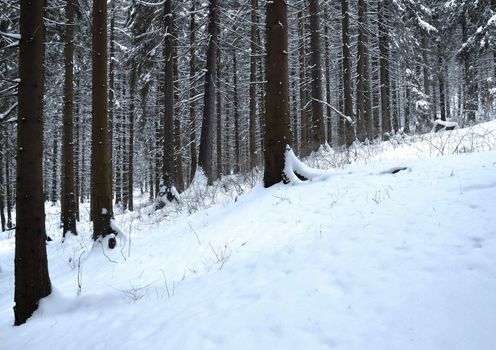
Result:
[
  {"x": 117, "y": 154},
  {"x": 425, "y": 65},
  {"x": 294, "y": 114},
  {"x": 68, "y": 190},
  {"x": 383, "y": 14},
  {"x": 470, "y": 101},
  {"x": 206, "y": 138},
  {"x": 237, "y": 144},
  {"x": 101, "y": 162},
  {"x": 111, "y": 88},
  {"x": 327, "y": 53},
  {"x": 219, "y": 154},
  {"x": 441, "y": 82},
  {"x": 192, "y": 92},
  {"x": 168, "y": 165},
  {"x": 253, "y": 82},
  {"x": 347, "y": 84},
  {"x": 318, "y": 124},
  {"x": 2, "y": 189},
  {"x": 178, "y": 147},
  {"x": 406, "y": 129},
  {"x": 365, "y": 123},
  {"x": 77, "y": 152},
  {"x": 130, "y": 155},
  {"x": 277, "y": 134},
  {"x": 8, "y": 191},
  {"x": 55, "y": 160},
  {"x": 304, "y": 115},
  {"x": 32, "y": 281},
  {"x": 158, "y": 147}
]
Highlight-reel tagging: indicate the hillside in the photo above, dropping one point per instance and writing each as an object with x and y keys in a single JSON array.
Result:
[{"x": 393, "y": 251}]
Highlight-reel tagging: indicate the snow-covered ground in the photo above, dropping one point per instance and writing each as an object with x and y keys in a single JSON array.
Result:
[{"x": 360, "y": 259}]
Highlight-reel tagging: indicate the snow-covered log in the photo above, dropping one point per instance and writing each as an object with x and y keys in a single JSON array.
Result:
[{"x": 295, "y": 171}]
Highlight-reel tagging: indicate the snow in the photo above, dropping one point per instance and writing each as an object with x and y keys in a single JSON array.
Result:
[
  {"x": 444, "y": 124},
  {"x": 426, "y": 26},
  {"x": 360, "y": 259}
]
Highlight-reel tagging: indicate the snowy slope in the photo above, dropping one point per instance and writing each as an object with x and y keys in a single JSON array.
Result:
[{"x": 364, "y": 259}]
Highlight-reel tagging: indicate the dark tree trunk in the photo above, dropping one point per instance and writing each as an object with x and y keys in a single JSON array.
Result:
[
  {"x": 237, "y": 145},
  {"x": 425, "y": 65},
  {"x": 327, "y": 53},
  {"x": 55, "y": 160},
  {"x": 294, "y": 114},
  {"x": 76, "y": 147},
  {"x": 192, "y": 92},
  {"x": 219, "y": 148},
  {"x": 407, "y": 109},
  {"x": 111, "y": 89},
  {"x": 158, "y": 147},
  {"x": 82, "y": 145},
  {"x": 130, "y": 155},
  {"x": 347, "y": 84},
  {"x": 304, "y": 115},
  {"x": 2, "y": 188},
  {"x": 123, "y": 144},
  {"x": 383, "y": 13},
  {"x": 206, "y": 138},
  {"x": 470, "y": 85},
  {"x": 365, "y": 123},
  {"x": 442, "y": 91},
  {"x": 277, "y": 127},
  {"x": 117, "y": 154},
  {"x": 178, "y": 147},
  {"x": 8, "y": 191},
  {"x": 261, "y": 104},
  {"x": 101, "y": 162},
  {"x": 318, "y": 124},
  {"x": 68, "y": 189},
  {"x": 253, "y": 82},
  {"x": 168, "y": 170},
  {"x": 32, "y": 281}
]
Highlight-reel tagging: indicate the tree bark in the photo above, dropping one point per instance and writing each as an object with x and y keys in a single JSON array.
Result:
[
  {"x": 318, "y": 123},
  {"x": 111, "y": 87},
  {"x": 237, "y": 144},
  {"x": 365, "y": 121},
  {"x": 130, "y": 155},
  {"x": 32, "y": 281},
  {"x": 219, "y": 129},
  {"x": 277, "y": 135},
  {"x": 253, "y": 82},
  {"x": 347, "y": 83},
  {"x": 68, "y": 190},
  {"x": 55, "y": 160},
  {"x": 470, "y": 87},
  {"x": 327, "y": 53},
  {"x": 101, "y": 191},
  {"x": 383, "y": 13},
  {"x": 304, "y": 115},
  {"x": 192, "y": 92},
  {"x": 425, "y": 65},
  {"x": 8, "y": 191},
  {"x": 168, "y": 169},
  {"x": 2, "y": 188},
  {"x": 441, "y": 82},
  {"x": 178, "y": 147},
  {"x": 206, "y": 138}
]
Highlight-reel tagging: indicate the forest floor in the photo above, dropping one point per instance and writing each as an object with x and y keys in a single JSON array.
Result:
[{"x": 360, "y": 259}]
